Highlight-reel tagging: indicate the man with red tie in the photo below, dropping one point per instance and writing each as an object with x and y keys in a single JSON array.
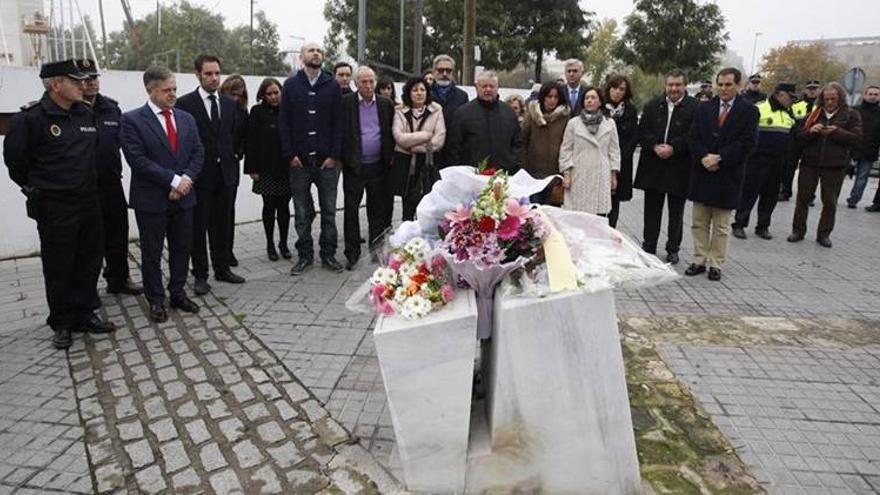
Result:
[{"x": 161, "y": 145}]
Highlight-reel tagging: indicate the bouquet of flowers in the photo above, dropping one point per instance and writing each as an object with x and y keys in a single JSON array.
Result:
[
  {"x": 414, "y": 282},
  {"x": 491, "y": 237}
]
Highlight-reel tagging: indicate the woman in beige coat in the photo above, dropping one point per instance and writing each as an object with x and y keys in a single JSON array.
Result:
[
  {"x": 589, "y": 158},
  {"x": 419, "y": 132},
  {"x": 542, "y": 132}
]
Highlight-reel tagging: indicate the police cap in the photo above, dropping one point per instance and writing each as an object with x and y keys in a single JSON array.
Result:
[
  {"x": 813, "y": 83},
  {"x": 87, "y": 66},
  {"x": 64, "y": 68},
  {"x": 755, "y": 77},
  {"x": 787, "y": 87}
]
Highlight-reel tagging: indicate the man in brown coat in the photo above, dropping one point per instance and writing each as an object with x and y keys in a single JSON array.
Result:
[{"x": 827, "y": 136}]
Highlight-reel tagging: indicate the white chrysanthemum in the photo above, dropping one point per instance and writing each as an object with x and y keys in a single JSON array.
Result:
[
  {"x": 417, "y": 248},
  {"x": 400, "y": 295},
  {"x": 385, "y": 276},
  {"x": 407, "y": 270},
  {"x": 416, "y": 307}
]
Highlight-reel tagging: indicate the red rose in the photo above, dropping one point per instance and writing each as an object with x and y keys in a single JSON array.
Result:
[
  {"x": 488, "y": 171},
  {"x": 486, "y": 224}
]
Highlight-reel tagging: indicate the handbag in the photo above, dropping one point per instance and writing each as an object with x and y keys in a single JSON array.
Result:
[{"x": 557, "y": 192}]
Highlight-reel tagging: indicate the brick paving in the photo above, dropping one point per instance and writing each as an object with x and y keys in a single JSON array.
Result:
[{"x": 182, "y": 403}]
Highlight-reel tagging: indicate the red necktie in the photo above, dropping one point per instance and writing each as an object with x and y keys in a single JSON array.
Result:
[
  {"x": 722, "y": 117},
  {"x": 170, "y": 131}
]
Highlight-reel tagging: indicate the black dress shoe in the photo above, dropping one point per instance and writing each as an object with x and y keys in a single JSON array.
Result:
[
  {"x": 824, "y": 241},
  {"x": 783, "y": 197},
  {"x": 795, "y": 237},
  {"x": 873, "y": 208},
  {"x": 851, "y": 206},
  {"x": 158, "y": 313},
  {"x": 201, "y": 287},
  {"x": 271, "y": 253},
  {"x": 300, "y": 267},
  {"x": 763, "y": 234},
  {"x": 62, "y": 339},
  {"x": 714, "y": 274},
  {"x": 184, "y": 304},
  {"x": 695, "y": 269},
  {"x": 672, "y": 258},
  {"x": 739, "y": 233},
  {"x": 285, "y": 251},
  {"x": 332, "y": 265},
  {"x": 233, "y": 261},
  {"x": 229, "y": 277},
  {"x": 124, "y": 287},
  {"x": 93, "y": 324},
  {"x": 350, "y": 264}
]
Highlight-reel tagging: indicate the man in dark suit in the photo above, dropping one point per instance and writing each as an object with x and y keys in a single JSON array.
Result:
[
  {"x": 723, "y": 135},
  {"x": 220, "y": 130},
  {"x": 367, "y": 149},
  {"x": 162, "y": 147},
  {"x": 664, "y": 163},
  {"x": 445, "y": 92},
  {"x": 575, "y": 90}
]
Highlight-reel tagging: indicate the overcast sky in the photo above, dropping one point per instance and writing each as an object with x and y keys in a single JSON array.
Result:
[{"x": 778, "y": 21}]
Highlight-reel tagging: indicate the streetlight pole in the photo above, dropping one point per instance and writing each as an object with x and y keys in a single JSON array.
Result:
[
  {"x": 754, "y": 51},
  {"x": 402, "y": 44},
  {"x": 417, "y": 38},
  {"x": 362, "y": 31},
  {"x": 467, "y": 62}
]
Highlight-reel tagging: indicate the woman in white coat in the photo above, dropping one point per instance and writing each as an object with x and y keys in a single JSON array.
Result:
[{"x": 589, "y": 158}]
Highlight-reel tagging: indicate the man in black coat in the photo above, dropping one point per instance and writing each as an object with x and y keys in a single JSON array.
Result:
[
  {"x": 220, "y": 129},
  {"x": 664, "y": 163},
  {"x": 753, "y": 93},
  {"x": 486, "y": 129},
  {"x": 448, "y": 95},
  {"x": 865, "y": 153},
  {"x": 108, "y": 164},
  {"x": 367, "y": 150},
  {"x": 724, "y": 133}
]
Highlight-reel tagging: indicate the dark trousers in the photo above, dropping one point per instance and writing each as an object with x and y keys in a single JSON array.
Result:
[
  {"x": 276, "y": 206},
  {"x": 71, "y": 250},
  {"x": 614, "y": 214},
  {"x": 831, "y": 180},
  {"x": 177, "y": 225},
  {"x": 371, "y": 178},
  {"x": 877, "y": 196},
  {"x": 761, "y": 186},
  {"x": 789, "y": 167},
  {"x": 326, "y": 180},
  {"x": 654, "y": 218},
  {"x": 211, "y": 221},
  {"x": 114, "y": 212}
]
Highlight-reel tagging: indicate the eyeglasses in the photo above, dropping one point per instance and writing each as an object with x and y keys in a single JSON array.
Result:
[{"x": 444, "y": 70}]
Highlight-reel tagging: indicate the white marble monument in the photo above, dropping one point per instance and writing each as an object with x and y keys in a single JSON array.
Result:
[
  {"x": 556, "y": 396},
  {"x": 427, "y": 366}
]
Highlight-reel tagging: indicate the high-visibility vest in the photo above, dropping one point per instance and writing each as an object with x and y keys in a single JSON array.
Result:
[
  {"x": 774, "y": 120},
  {"x": 800, "y": 110}
]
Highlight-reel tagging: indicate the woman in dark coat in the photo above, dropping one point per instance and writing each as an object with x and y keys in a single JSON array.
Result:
[
  {"x": 618, "y": 98},
  {"x": 265, "y": 165}
]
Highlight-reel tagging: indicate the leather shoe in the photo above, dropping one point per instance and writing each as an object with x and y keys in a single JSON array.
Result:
[
  {"x": 285, "y": 251},
  {"x": 824, "y": 241},
  {"x": 300, "y": 267},
  {"x": 233, "y": 261},
  {"x": 331, "y": 264},
  {"x": 739, "y": 233},
  {"x": 351, "y": 264},
  {"x": 695, "y": 269},
  {"x": 184, "y": 304},
  {"x": 271, "y": 253},
  {"x": 93, "y": 324},
  {"x": 783, "y": 197},
  {"x": 201, "y": 287},
  {"x": 124, "y": 287},
  {"x": 62, "y": 338},
  {"x": 714, "y": 274},
  {"x": 158, "y": 313},
  {"x": 229, "y": 277},
  {"x": 672, "y": 258},
  {"x": 794, "y": 237},
  {"x": 873, "y": 208},
  {"x": 764, "y": 234},
  {"x": 851, "y": 206}
]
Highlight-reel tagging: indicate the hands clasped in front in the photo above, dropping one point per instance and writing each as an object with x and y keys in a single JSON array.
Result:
[
  {"x": 183, "y": 188},
  {"x": 711, "y": 162}
]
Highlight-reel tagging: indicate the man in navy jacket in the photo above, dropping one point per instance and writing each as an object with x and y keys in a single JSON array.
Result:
[
  {"x": 161, "y": 145},
  {"x": 310, "y": 124},
  {"x": 220, "y": 129},
  {"x": 723, "y": 135}
]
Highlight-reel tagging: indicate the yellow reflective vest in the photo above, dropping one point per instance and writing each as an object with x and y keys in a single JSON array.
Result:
[
  {"x": 800, "y": 110},
  {"x": 775, "y": 120}
]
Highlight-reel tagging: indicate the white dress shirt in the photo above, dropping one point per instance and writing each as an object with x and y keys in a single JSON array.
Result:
[
  {"x": 158, "y": 113},
  {"x": 670, "y": 107},
  {"x": 204, "y": 94}
]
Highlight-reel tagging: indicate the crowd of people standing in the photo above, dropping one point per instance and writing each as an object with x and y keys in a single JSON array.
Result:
[{"x": 725, "y": 150}]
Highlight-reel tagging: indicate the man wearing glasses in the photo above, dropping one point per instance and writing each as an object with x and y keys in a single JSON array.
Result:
[{"x": 448, "y": 95}]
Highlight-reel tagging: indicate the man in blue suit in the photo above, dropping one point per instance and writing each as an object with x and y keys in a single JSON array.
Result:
[
  {"x": 162, "y": 147},
  {"x": 220, "y": 129}
]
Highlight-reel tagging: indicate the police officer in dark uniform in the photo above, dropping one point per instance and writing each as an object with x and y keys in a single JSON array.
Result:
[
  {"x": 753, "y": 91},
  {"x": 50, "y": 153},
  {"x": 801, "y": 111},
  {"x": 114, "y": 209}
]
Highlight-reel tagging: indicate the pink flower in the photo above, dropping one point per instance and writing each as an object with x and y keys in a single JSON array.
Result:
[
  {"x": 447, "y": 292},
  {"x": 394, "y": 262},
  {"x": 384, "y": 307},
  {"x": 514, "y": 208},
  {"x": 460, "y": 214},
  {"x": 509, "y": 227}
]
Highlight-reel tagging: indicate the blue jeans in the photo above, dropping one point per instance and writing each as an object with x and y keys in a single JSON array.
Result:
[
  {"x": 301, "y": 180},
  {"x": 863, "y": 170}
]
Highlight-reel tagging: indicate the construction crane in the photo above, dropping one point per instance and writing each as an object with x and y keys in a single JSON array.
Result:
[{"x": 132, "y": 29}]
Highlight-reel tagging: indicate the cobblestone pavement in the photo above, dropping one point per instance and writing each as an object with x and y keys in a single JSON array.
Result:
[{"x": 127, "y": 381}]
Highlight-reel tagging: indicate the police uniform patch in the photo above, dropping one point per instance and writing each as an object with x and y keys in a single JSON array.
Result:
[
  {"x": 769, "y": 120},
  {"x": 55, "y": 130}
]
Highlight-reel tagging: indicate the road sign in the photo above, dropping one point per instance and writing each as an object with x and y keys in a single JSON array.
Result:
[{"x": 854, "y": 80}]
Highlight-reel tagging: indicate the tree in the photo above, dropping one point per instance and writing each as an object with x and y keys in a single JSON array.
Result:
[
  {"x": 563, "y": 28},
  {"x": 666, "y": 34},
  {"x": 264, "y": 59},
  {"x": 800, "y": 63},
  {"x": 600, "y": 57}
]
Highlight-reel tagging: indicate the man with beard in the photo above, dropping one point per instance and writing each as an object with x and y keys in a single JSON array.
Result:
[{"x": 448, "y": 95}]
